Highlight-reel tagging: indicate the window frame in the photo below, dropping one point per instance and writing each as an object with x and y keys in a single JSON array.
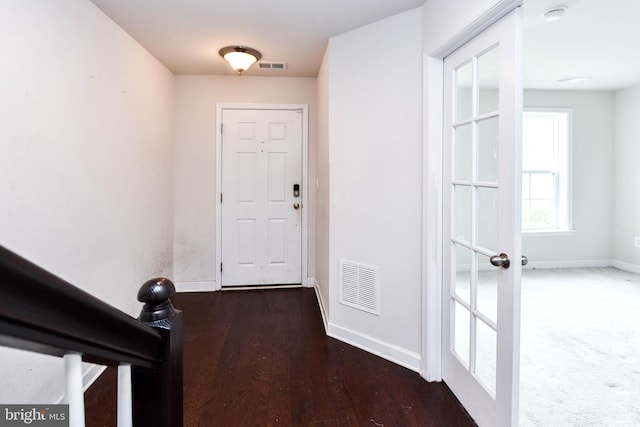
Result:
[{"x": 563, "y": 178}]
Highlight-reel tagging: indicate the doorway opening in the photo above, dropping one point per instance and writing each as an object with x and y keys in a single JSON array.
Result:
[{"x": 580, "y": 344}]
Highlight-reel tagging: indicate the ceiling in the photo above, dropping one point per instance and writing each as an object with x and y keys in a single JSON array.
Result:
[
  {"x": 594, "y": 39},
  {"x": 185, "y": 35}
]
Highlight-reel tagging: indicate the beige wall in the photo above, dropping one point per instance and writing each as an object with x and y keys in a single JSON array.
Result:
[
  {"x": 324, "y": 186},
  {"x": 194, "y": 162},
  {"x": 85, "y": 163}
]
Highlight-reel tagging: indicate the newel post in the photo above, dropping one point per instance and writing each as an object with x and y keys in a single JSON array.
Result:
[{"x": 157, "y": 393}]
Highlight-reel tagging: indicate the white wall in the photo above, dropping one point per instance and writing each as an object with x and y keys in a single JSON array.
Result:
[
  {"x": 194, "y": 162},
  {"x": 626, "y": 178},
  {"x": 85, "y": 163},
  {"x": 375, "y": 123},
  {"x": 592, "y": 166},
  {"x": 323, "y": 190}
]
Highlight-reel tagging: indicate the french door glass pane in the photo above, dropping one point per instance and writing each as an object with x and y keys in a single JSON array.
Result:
[
  {"x": 463, "y": 98},
  {"x": 488, "y": 69},
  {"x": 487, "y": 288},
  {"x": 461, "y": 332},
  {"x": 487, "y": 219},
  {"x": 462, "y": 208},
  {"x": 462, "y": 280},
  {"x": 486, "y": 354},
  {"x": 525, "y": 186},
  {"x": 462, "y": 153},
  {"x": 488, "y": 150}
]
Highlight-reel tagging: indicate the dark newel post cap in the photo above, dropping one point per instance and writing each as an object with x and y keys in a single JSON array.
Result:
[{"x": 157, "y": 310}]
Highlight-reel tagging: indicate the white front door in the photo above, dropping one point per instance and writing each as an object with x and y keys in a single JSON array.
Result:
[
  {"x": 261, "y": 197},
  {"x": 481, "y": 223}
]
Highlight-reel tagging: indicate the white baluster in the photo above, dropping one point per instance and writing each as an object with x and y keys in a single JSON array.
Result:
[
  {"x": 125, "y": 418},
  {"x": 74, "y": 395}
]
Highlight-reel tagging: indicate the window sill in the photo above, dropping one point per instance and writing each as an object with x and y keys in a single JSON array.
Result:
[{"x": 548, "y": 233}]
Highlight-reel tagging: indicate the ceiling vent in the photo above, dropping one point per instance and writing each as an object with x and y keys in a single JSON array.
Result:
[
  {"x": 360, "y": 286},
  {"x": 263, "y": 65}
]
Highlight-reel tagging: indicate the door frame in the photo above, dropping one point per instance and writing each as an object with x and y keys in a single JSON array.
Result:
[
  {"x": 432, "y": 209},
  {"x": 304, "y": 110}
]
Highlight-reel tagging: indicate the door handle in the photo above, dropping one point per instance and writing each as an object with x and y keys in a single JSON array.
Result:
[
  {"x": 296, "y": 206},
  {"x": 501, "y": 260}
]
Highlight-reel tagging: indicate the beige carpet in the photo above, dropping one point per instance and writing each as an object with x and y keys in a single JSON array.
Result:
[{"x": 580, "y": 349}]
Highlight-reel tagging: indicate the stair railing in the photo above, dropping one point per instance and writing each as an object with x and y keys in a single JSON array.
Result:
[{"x": 42, "y": 313}]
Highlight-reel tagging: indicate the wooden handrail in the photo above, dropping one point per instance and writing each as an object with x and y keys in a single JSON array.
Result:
[{"x": 41, "y": 312}]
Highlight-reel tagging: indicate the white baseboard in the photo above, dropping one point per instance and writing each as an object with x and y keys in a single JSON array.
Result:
[
  {"x": 210, "y": 285},
  {"x": 631, "y": 268},
  {"x": 207, "y": 286},
  {"x": 568, "y": 264},
  {"x": 91, "y": 374},
  {"x": 323, "y": 310},
  {"x": 390, "y": 352}
]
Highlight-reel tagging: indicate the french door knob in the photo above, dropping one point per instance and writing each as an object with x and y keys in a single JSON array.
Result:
[
  {"x": 501, "y": 260},
  {"x": 296, "y": 206}
]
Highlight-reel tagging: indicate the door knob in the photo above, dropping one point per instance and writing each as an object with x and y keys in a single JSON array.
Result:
[
  {"x": 525, "y": 260},
  {"x": 501, "y": 260},
  {"x": 296, "y": 206}
]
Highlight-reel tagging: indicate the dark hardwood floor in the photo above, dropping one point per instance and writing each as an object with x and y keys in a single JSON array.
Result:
[{"x": 261, "y": 358}]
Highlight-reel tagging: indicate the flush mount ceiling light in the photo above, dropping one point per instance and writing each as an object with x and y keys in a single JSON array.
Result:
[
  {"x": 240, "y": 57},
  {"x": 573, "y": 79},
  {"x": 555, "y": 13}
]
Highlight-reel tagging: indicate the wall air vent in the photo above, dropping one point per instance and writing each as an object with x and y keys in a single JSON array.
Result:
[
  {"x": 360, "y": 286},
  {"x": 264, "y": 65}
]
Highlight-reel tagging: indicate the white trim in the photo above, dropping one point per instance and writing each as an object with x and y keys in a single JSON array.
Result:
[
  {"x": 476, "y": 24},
  {"x": 310, "y": 283},
  {"x": 548, "y": 233},
  {"x": 398, "y": 355},
  {"x": 259, "y": 287},
  {"x": 322, "y": 306},
  {"x": 431, "y": 368},
  {"x": 204, "y": 286},
  {"x": 433, "y": 88},
  {"x": 91, "y": 374},
  {"x": 574, "y": 263},
  {"x": 305, "y": 176},
  {"x": 631, "y": 268}
]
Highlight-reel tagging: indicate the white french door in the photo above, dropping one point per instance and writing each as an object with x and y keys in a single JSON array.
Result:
[
  {"x": 261, "y": 197},
  {"x": 481, "y": 223}
]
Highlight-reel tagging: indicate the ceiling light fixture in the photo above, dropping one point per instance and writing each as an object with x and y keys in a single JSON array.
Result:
[
  {"x": 239, "y": 57},
  {"x": 555, "y": 13},
  {"x": 573, "y": 79}
]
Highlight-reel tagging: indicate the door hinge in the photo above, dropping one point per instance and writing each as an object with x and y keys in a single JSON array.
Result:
[
  {"x": 220, "y": 197},
  {"x": 220, "y": 267},
  {"x": 221, "y": 127}
]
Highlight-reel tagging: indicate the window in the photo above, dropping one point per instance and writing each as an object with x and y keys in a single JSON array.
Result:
[{"x": 545, "y": 170}]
